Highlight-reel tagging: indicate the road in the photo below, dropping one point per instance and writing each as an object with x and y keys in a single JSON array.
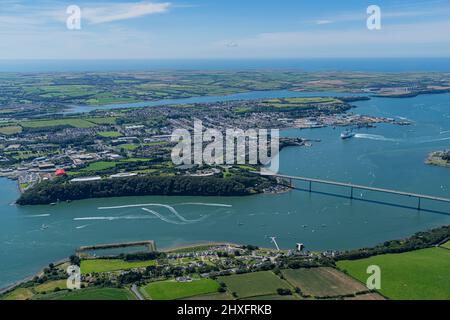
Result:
[{"x": 136, "y": 292}]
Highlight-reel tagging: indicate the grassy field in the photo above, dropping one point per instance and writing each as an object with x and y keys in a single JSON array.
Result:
[
  {"x": 254, "y": 284},
  {"x": 10, "y": 130},
  {"x": 102, "y": 120},
  {"x": 446, "y": 245},
  {"x": 274, "y": 298},
  {"x": 105, "y": 265},
  {"x": 109, "y": 134},
  {"x": 171, "y": 290},
  {"x": 128, "y": 146},
  {"x": 211, "y": 297},
  {"x": 99, "y": 166},
  {"x": 51, "y": 286},
  {"x": 95, "y": 294},
  {"x": 104, "y": 165},
  {"x": 421, "y": 274},
  {"x": 323, "y": 282},
  {"x": 72, "y": 122},
  {"x": 19, "y": 294}
]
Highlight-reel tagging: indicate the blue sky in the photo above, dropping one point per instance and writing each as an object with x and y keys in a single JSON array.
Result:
[{"x": 198, "y": 29}]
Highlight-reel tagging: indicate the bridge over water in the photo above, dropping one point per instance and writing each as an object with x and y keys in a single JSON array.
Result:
[{"x": 353, "y": 187}]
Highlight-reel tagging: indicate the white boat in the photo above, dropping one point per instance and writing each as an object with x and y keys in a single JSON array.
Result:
[{"x": 347, "y": 134}]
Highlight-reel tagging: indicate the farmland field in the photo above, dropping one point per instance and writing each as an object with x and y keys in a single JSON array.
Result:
[
  {"x": 99, "y": 166},
  {"x": 102, "y": 120},
  {"x": 211, "y": 297},
  {"x": 323, "y": 282},
  {"x": 274, "y": 298},
  {"x": 254, "y": 284},
  {"x": 109, "y": 134},
  {"x": 171, "y": 290},
  {"x": 51, "y": 286},
  {"x": 10, "y": 130},
  {"x": 105, "y": 265},
  {"x": 446, "y": 245},
  {"x": 19, "y": 294},
  {"x": 76, "y": 123},
  {"x": 96, "y": 294},
  {"x": 421, "y": 274}
]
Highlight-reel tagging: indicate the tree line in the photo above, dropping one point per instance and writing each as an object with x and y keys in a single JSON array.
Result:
[
  {"x": 62, "y": 190},
  {"x": 420, "y": 240}
]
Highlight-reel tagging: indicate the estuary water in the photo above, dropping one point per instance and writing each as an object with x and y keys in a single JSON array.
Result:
[{"x": 387, "y": 156}]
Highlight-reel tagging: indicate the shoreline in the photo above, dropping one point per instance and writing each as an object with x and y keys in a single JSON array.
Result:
[{"x": 436, "y": 159}]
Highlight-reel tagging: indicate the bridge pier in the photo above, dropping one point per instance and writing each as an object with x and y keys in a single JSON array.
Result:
[{"x": 352, "y": 187}]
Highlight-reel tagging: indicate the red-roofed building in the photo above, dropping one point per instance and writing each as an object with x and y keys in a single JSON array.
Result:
[{"x": 60, "y": 172}]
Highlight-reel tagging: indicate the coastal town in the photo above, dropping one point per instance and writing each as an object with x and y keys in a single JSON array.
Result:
[{"x": 124, "y": 143}]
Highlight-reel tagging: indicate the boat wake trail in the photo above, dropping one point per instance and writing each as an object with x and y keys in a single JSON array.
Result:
[
  {"x": 205, "y": 204},
  {"x": 182, "y": 219},
  {"x": 112, "y": 218},
  {"x": 162, "y": 217},
  {"x": 40, "y": 215},
  {"x": 435, "y": 140},
  {"x": 374, "y": 137}
]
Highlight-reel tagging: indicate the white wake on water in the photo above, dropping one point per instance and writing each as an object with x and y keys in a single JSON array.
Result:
[
  {"x": 375, "y": 137},
  {"x": 182, "y": 219},
  {"x": 40, "y": 215},
  {"x": 112, "y": 218},
  {"x": 205, "y": 204},
  {"x": 162, "y": 217}
]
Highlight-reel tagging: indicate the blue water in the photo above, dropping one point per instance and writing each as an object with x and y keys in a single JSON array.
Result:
[{"x": 343, "y": 64}]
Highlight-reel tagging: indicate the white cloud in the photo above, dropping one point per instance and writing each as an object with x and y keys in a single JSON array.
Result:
[
  {"x": 323, "y": 22},
  {"x": 122, "y": 11}
]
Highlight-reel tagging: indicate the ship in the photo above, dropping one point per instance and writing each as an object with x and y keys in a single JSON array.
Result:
[{"x": 347, "y": 134}]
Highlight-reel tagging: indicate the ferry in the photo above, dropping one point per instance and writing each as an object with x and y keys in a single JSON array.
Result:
[{"x": 347, "y": 134}]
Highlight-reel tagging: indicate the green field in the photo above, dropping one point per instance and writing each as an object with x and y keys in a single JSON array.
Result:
[
  {"x": 99, "y": 166},
  {"x": 254, "y": 284},
  {"x": 19, "y": 294},
  {"x": 274, "y": 298},
  {"x": 51, "y": 286},
  {"x": 211, "y": 297},
  {"x": 105, "y": 165},
  {"x": 128, "y": 146},
  {"x": 10, "y": 130},
  {"x": 110, "y": 134},
  {"x": 95, "y": 294},
  {"x": 323, "y": 282},
  {"x": 71, "y": 122},
  {"x": 102, "y": 120},
  {"x": 105, "y": 265},
  {"x": 171, "y": 290},
  {"x": 416, "y": 275},
  {"x": 446, "y": 245}
]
